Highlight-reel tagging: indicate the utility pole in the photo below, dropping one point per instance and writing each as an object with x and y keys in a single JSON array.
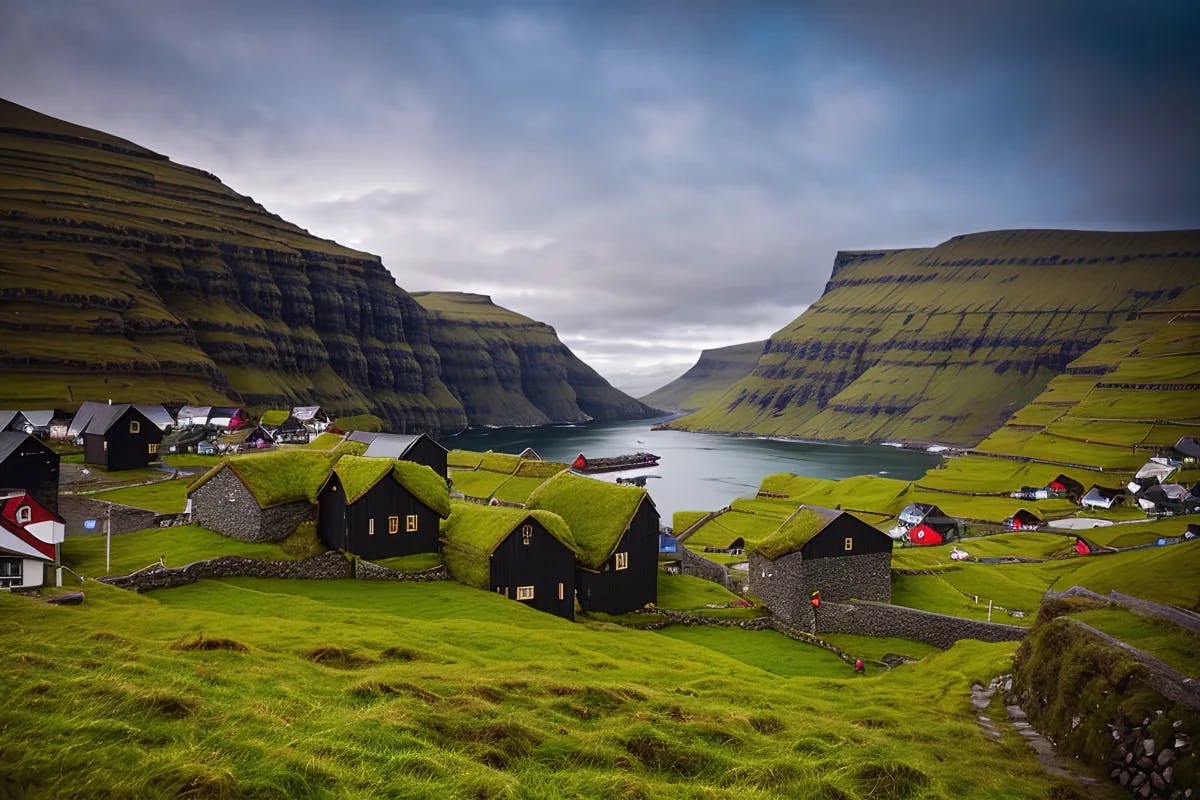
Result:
[{"x": 108, "y": 539}]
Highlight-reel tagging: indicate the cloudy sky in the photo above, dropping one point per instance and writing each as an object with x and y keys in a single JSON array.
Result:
[{"x": 650, "y": 178}]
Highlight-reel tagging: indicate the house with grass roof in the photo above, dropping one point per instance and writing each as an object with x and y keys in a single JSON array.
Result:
[
  {"x": 380, "y": 508},
  {"x": 527, "y": 556},
  {"x": 26, "y": 463},
  {"x": 820, "y": 550},
  {"x": 260, "y": 497},
  {"x": 615, "y": 529}
]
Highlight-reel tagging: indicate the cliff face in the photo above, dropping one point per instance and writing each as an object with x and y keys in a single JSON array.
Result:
[
  {"x": 126, "y": 276},
  {"x": 507, "y": 369},
  {"x": 714, "y": 372},
  {"x": 944, "y": 343}
]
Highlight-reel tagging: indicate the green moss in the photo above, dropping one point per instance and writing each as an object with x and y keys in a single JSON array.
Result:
[
  {"x": 793, "y": 534},
  {"x": 473, "y": 531},
  {"x": 597, "y": 512},
  {"x": 358, "y": 474},
  {"x": 425, "y": 484},
  {"x": 284, "y": 476}
]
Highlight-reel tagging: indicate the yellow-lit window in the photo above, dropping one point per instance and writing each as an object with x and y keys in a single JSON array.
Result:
[
  {"x": 152, "y": 448},
  {"x": 393, "y": 524},
  {"x": 560, "y": 590},
  {"x": 526, "y": 534},
  {"x": 135, "y": 426},
  {"x": 622, "y": 561},
  {"x": 849, "y": 544},
  {"x": 371, "y": 526},
  {"x": 524, "y": 592},
  {"x": 411, "y": 523}
]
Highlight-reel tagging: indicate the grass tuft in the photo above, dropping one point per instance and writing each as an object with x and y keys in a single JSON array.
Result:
[
  {"x": 202, "y": 642},
  {"x": 890, "y": 781},
  {"x": 338, "y": 657}
]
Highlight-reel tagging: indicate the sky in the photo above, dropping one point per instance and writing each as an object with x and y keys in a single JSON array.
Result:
[{"x": 650, "y": 178}]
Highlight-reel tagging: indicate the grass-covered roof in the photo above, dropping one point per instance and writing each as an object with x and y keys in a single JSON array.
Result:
[
  {"x": 536, "y": 468},
  {"x": 463, "y": 459},
  {"x": 500, "y": 462},
  {"x": 424, "y": 483},
  {"x": 275, "y": 416},
  {"x": 794, "y": 533},
  {"x": 473, "y": 531},
  {"x": 598, "y": 512},
  {"x": 358, "y": 474},
  {"x": 278, "y": 477}
]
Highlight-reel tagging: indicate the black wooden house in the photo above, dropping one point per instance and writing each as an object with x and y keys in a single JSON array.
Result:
[
  {"x": 26, "y": 463},
  {"x": 380, "y": 508},
  {"x": 418, "y": 448},
  {"x": 527, "y": 556},
  {"x": 120, "y": 437},
  {"x": 615, "y": 529}
]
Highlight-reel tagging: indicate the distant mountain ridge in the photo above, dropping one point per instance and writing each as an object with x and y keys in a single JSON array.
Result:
[
  {"x": 942, "y": 344},
  {"x": 714, "y": 372},
  {"x": 124, "y": 275}
]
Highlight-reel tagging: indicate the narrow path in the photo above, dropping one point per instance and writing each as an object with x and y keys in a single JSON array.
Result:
[{"x": 1054, "y": 763}]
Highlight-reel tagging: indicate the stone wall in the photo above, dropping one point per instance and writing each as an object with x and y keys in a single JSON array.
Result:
[
  {"x": 370, "y": 571},
  {"x": 845, "y": 578},
  {"x": 939, "y": 630},
  {"x": 779, "y": 584},
  {"x": 701, "y": 567},
  {"x": 328, "y": 565},
  {"x": 224, "y": 504},
  {"x": 74, "y": 509}
]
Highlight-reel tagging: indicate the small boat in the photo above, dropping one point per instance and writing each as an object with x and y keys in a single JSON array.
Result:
[{"x": 614, "y": 463}]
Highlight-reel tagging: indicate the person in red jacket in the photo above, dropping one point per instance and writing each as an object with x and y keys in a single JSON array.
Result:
[{"x": 859, "y": 666}]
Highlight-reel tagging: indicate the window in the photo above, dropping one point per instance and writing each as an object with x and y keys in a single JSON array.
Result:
[
  {"x": 24, "y": 514},
  {"x": 622, "y": 561},
  {"x": 135, "y": 426},
  {"x": 10, "y": 572},
  {"x": 411, "y": 523},
  {"x": 106, "y": 445},
  {"x": 152, "y": 448},
  {"x": 560, "y": 590},
  {"x": 526, "y": 534},
  {"x": 394, "y": 524},
  {"x": 524, "y": 592},
  {"x": 849, "y": 544},
  {"x": 371, "y": 526}
]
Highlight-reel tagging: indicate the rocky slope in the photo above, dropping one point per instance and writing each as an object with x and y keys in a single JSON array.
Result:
[
  {"x": 714, "y": 372},
  {"x": 944, "y": 343},
  {"x": 124, "y": 275},
  {"x": 507, "y": 369}
]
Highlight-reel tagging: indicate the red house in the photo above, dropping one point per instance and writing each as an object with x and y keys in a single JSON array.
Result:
[{"x": 29, "y": 539}]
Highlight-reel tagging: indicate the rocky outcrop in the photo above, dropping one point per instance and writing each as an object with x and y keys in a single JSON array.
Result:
[
  {"x": 130, "y": 277},
  {"x": 943, "y": 343}
]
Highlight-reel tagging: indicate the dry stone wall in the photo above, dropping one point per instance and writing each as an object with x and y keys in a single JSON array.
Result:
[
  {"x": 328, "y": 565},
  {"x": 224, "y": 504},
  {"x": 939, "y": 630},
  {"x": 701, "y": 567},
  {"x": 370, "y": 571}
]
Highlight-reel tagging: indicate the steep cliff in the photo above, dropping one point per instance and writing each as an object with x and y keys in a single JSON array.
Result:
[
  {"x": 124, "y": 275},
  {"x": 714, "y": 372},
  {"x": 944, "y": 343},
  {"x": 507, "y": 369}
]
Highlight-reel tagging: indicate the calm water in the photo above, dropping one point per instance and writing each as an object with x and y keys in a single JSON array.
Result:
[{"x": 699, "y": 471}]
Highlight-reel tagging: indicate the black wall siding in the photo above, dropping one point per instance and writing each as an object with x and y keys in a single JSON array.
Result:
[
  {"x": 33, "y": 467},
  {"x": 125, "y": 450},
  {"x": 831, "y": 541},
  {"x": 387, "y": 498},
  {"x": 616, "y": 591},
  {"x": 331, "y": 516},
  {"x": 545, "y": 564}
]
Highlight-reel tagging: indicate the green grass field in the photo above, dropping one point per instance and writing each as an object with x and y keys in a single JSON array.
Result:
[
  {"x": 327, "y": 689},
  {"x": 165, "y": 497},
  {"x": 179, "y": 545}
]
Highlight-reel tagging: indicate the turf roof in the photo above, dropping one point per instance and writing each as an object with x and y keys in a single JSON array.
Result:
[
  {"x": 500, "y": 462},
  {"x": 597, "y": 512},
  {"x": 473, "y": 531},
  {"x": 275, "y": 416},
  {"x": 273, "y": 479},
  {"x": 424, "y": 483},
  {"x": 794, "y": 533},
  {"x": 467, "y": 459}
]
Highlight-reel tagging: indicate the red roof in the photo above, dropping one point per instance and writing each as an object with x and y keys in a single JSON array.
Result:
[
  {"x": 38, "y": 512},
  {"x": 923, "y": 534},
  {"x": 45, "y": 548}
]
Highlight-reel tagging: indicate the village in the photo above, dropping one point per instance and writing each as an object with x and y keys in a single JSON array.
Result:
[{"x": 538, "y": 532}]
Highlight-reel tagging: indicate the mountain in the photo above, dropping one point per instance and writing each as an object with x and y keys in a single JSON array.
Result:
[
  {"x": 714, "y": 372},
  {"x": 124, "y": 275},
  {"x": 944, "y": 343},
  {"x": 507, "y": 369}
]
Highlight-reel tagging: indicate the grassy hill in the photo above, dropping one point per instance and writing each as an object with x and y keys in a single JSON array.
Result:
[
  {"x": 124, "y": 275},
  {"x": 944, "y": 343},
  {"x": 507, "y": 369},
  {"x": 714, "y": 372},
  {"x": 271, "y": 688}
]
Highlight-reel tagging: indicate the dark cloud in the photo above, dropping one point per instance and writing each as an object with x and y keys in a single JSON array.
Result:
[{"x": 649, "y": 178}]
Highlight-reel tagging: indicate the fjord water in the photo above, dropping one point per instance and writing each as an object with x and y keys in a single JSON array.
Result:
[{"x": 698, "y": 471}]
